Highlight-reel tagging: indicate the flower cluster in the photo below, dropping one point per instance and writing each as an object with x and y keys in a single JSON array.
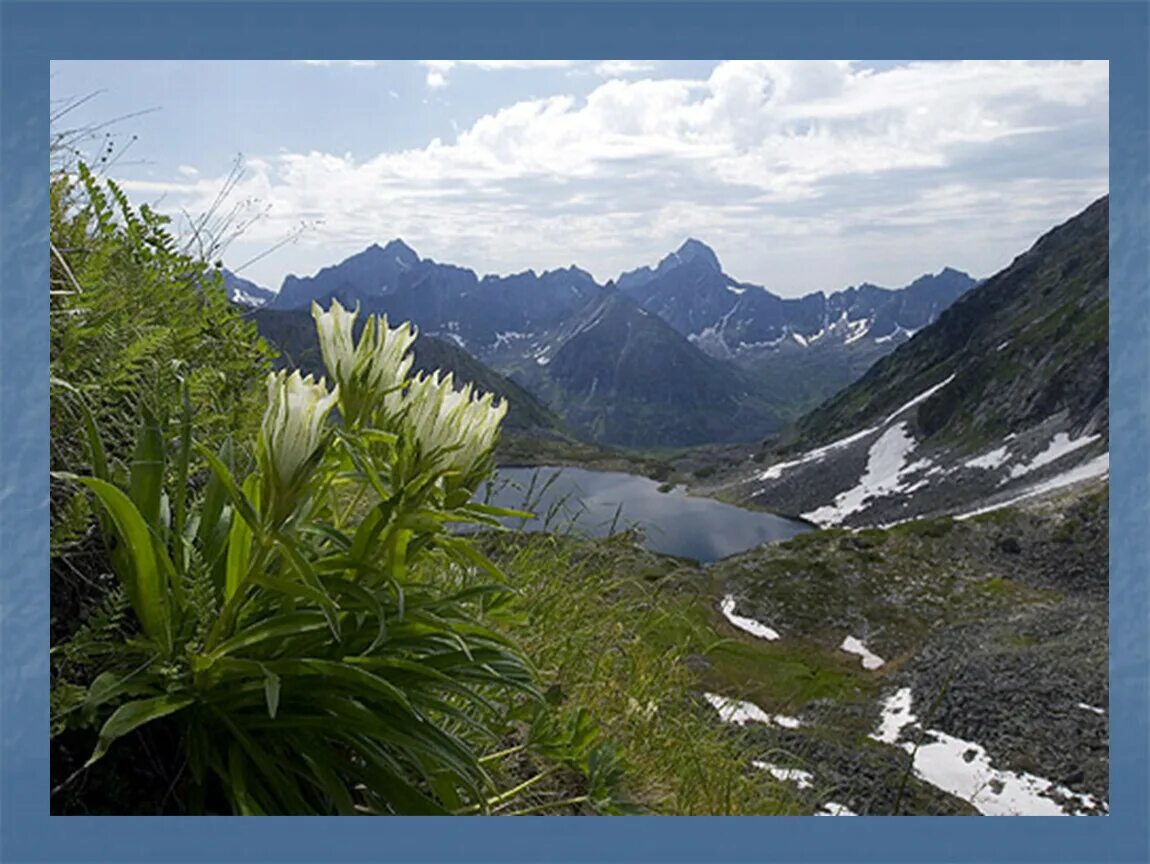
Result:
[
  {"x": 456, "y": 429},
  {"x": 451, "y": 431},
  {"x": 370, "y": 373},
  {"x": 293, "y": 424}
]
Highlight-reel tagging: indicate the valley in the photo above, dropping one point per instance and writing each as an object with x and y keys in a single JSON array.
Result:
[
  {"x": 937, "y": 644},
  {"x": 586, "y": 438}
]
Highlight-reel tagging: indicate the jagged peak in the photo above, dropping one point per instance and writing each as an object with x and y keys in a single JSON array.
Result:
[
  {"x": 399, "y": 248},
  {"x": 696, "y": 250}
]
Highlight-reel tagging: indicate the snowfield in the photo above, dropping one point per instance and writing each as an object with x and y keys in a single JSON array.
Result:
[
  {"x": 1059, "y": 446},
  {"x": 1097, "y": 467},
  {"x": 742, "y": 713},
  {"x": 963, "y": 769},
  {"x": 887, "y": 472}
]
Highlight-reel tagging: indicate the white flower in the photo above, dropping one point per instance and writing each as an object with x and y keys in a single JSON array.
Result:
[
  {"x": 365, "y": 372},
  {"x": 336, "y": 341},
  {"x": 453, "y": 428},
  {"x": 293, "y": 423}
]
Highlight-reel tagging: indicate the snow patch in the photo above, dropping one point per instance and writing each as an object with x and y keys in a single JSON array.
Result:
[
  {"x": 239, "y": 295},
  {"x": 1086, "y": 707},
  {"x": 742, "y": 713},
  {"x": 963, "y": 769},
  {"x": 749, "y": 625},
  {"x": 990, "y": 460},
  {"x": 855, "y": 646},
  {"x": 858, "y": 329},
  {"x": 1099, "y": 466},
  {"x": 832, "y": 809},
  {"x": 1060, "y": 445},
  {"x": 508, "y": 336},
  {"x": 776, "y": 470},
  {"x": 804, "y": 779},
  {"x": 886, "y": 469},
  {"x": 893, "y": 334},
  {"x": 921, "y": 397}
]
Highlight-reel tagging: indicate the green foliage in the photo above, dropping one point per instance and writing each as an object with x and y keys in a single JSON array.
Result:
[
  {"x": 316, "y": 635},
  {"x": 135, "y": 322}
]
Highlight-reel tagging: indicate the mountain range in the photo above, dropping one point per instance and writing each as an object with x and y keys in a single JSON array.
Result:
[
  {"x": 677, "y": 355},
  {"x": 1004, "y": 397}
]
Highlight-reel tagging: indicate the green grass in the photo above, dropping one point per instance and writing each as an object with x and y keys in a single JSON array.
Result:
[{"x": 610, "y": 629}]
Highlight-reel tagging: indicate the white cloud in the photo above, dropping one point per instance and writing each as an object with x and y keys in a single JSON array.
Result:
[
  {"x": 352, "y": 64},
  {"x": 802, "y": 174},
  {"x": 439, "y": 70},
  {"x": 187, "y": 171},
  {"x": 622, "y": 68}
]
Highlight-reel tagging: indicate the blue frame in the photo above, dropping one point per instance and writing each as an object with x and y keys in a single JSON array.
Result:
[{"x": 31, "y": 34}]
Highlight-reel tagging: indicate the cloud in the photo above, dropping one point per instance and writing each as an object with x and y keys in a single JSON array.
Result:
[
  {"x": 351, "y": 64},
  {"x": 187, "y": 171},
  {"x": 439, "y": 70},
  {"x": 622, "y": 68},
  {"x": 798, "y": 172}
]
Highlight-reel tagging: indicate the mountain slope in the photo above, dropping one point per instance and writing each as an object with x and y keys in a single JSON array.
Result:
[
  {"x": 1028, "y": 343},
  {"x": 1005, "y": 395},
  {"x": 624, "y": 376},
  {"x": 789, "y": 354}
]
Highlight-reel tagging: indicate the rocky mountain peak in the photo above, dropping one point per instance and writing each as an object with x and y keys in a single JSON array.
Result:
[{"x": 695, "y": 250}]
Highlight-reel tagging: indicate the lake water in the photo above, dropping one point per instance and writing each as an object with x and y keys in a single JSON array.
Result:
[{"x": 595, "y": 503}]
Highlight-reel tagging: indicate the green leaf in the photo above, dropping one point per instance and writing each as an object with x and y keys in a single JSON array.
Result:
[
  {"x": 133, "y": 715},
  {"x": 498, "y": 512},
  {"x": 183, "y": 462},
  {"x": 146, "y": 577},
  {"x": 212, "y": 506},
  {"x": 275, "y": 629},
  {"x": 240, "y": 543},
  {"x": 147, "y": 474},
  {"x": 241, "y": 503}
]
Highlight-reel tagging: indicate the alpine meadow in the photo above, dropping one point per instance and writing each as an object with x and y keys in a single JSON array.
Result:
[{"x": 742, "y": 450}]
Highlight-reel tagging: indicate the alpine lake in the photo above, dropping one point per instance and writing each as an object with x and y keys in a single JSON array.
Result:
[{"x": 600, "y": 503}]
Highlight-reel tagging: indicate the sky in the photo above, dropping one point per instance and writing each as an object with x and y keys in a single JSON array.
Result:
[{"x": 801, "y": 175}]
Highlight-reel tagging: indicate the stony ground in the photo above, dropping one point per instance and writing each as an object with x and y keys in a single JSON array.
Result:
[{"x": 997, "y": 624}]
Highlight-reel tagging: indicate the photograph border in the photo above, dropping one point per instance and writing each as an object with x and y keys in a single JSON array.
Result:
[{"x": 34, "y": 33}]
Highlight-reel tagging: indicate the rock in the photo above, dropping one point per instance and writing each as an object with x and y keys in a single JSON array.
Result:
[{"x": 1010, "y": 545}]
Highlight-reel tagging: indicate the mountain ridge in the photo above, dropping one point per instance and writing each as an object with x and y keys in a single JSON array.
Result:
[{"x": 1003, "y": 398}]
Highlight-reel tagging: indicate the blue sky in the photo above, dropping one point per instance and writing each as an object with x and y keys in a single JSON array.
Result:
[{"x": 802, "y": 175}]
